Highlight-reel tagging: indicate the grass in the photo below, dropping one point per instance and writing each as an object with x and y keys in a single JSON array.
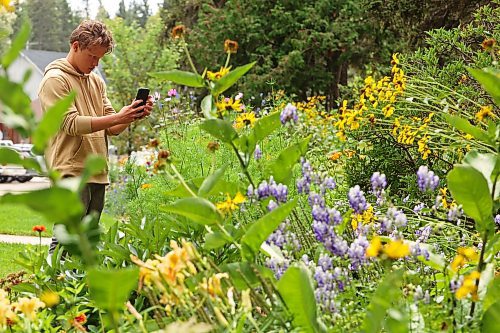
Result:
[
  {"x": 9, "y": 252},
  {"x": 19, "y": 220}
]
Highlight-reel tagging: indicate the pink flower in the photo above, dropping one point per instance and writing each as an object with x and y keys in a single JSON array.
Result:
[{"x": 172, "y": 93}]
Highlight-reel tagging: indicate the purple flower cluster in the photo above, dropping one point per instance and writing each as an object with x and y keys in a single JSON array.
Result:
[
  {"x": 393, "y": 220},
  {"x": 329, "y": 281},
  {"x": 455, "y": 213},
  {"x": 357, "y": 200},
  {"x": 288, "y": 114},
  {"x": 284, "y": 238},
  {"x": 497, "y": 220},
  {"x": 426, "y": 180},
  {"x": 278, "y": 266},
  {"x": 356, "y": 252},
  {"x": 378, "y": 181},
  {"x": 418, "y": 208},
  {"x": 310, "y": 178},
  {"x": 265, "y": 190},
  {"x": 423, "y": 233},
  {"x": 417, "y": 250},
  {"x": 257, "y": 154}
]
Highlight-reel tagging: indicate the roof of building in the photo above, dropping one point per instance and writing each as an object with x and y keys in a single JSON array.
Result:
[{"x": 41, "y": 58}]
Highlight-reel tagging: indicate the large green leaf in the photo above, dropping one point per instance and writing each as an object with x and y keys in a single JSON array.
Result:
[
  {"x": 11, "y": 156},
  {"x": 387, "y": 293},
  {"x": 208, "y": 107},
  {"x": 198, "y": 209},
  {"x": 260, "y": 230},
  {"x": 486, "y": 163},
  {"x": 12, "y": 95},
  {"x": 296, "y": 290},
  {"x": 246, "y": 275},
  {"x": 50, "y": 124},
  {"x": 180, "y": 77},
  {"x": 491, "y": 318},
  {"x": 490, "y": 80},
  {"x": 493, "y": 294},
  {"x": 110, "y": 289},
  {"x": 262, "y": 128},
  {"x": 470, "y": 189},
  {"x": 230, "y": 78},
  {"x": 18, "y": 44},
  {"x": 221, "y": 187},
  {"x": 57, "y": 204},
  {"x": 463, "y": 125},
  {"x": 281, "y": 169},
  {"x": 210, "y": 182},
  {"x": 221, "y": 129}
]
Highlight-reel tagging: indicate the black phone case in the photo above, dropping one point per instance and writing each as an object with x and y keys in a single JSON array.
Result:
[{"x": 142, "y": 93}]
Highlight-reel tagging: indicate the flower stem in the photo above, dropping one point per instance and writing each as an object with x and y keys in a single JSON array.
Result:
[{"x": 184, "y": 45}]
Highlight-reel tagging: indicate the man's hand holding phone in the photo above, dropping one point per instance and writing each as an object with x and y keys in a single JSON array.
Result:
[
  {"x": 140, "y": 108},
  {"x": 146, "y": 102}
]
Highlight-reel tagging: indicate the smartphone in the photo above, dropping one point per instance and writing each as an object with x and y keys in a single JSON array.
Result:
[{"x": 142, "y": 93}]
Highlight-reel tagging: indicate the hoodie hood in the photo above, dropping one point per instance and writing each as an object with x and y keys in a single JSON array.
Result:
[{"x": 64, "y": 65}]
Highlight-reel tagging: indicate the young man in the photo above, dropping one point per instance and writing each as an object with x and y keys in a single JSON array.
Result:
[{"x": 90, "y": 118}]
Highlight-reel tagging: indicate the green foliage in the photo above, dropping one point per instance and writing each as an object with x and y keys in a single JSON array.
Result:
[
  {"x": 386, "y": 294},
  {"x": 110, "y": 289},
  {"x": 17, "y": 45},
  {"x": 470, "y": 189},
  {"x": 230, "y": 79},
  {"x": 56, "y": 204},
  {"x": 260, "y": 230},
  {"x": 490, "y": 81},
  {"x": 52, "y": 22},
  {"x": 282, "y": 167},
  {"x": 221, "y": 129},
  {"x": 197, "y": 209},
  {"x": 180, "y": 77},
  {"x": 50, "y": 123},
  {"x": 295, "y": 288}
]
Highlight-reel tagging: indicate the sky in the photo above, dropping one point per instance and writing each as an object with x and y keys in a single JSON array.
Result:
[{"x": 110, "y": 5}]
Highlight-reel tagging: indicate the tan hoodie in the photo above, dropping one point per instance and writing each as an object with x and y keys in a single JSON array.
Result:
[{"x": 75, "y": 141}]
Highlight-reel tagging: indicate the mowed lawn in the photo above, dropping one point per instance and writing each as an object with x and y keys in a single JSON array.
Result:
[
  {"x": 19, "y": 220},
  {"x": 8, "y": 253}
]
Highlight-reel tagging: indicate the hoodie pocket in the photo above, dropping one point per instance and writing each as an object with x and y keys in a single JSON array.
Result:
[{"x": 90, "y": 144}]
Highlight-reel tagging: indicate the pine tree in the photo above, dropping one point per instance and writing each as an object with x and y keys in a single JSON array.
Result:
[{"x": 102, "y": 13}]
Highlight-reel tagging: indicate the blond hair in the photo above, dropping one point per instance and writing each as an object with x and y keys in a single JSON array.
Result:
[{"x": 92, "y": 33}]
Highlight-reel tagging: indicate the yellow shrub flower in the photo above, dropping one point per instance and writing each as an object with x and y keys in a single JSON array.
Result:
[
  {"x": 464, "y": 255},
  {"x": 388, "y": 110},
  {"x": 335, "y": 156},
  {"x": 50, "y": 298},
  {"x": 423, "y": 148},
  {"x": 469, "y": 286},
  {"x": 374, "y": 248},
  {"x": 6, "y": 4},
  {"x": 366, "y": 217},
  {"x": 230, "y": 205},
  {"x": 146, "y": 186},
  {"x": 396, "y": 249},
  {"x": 485, "y": 111}
]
